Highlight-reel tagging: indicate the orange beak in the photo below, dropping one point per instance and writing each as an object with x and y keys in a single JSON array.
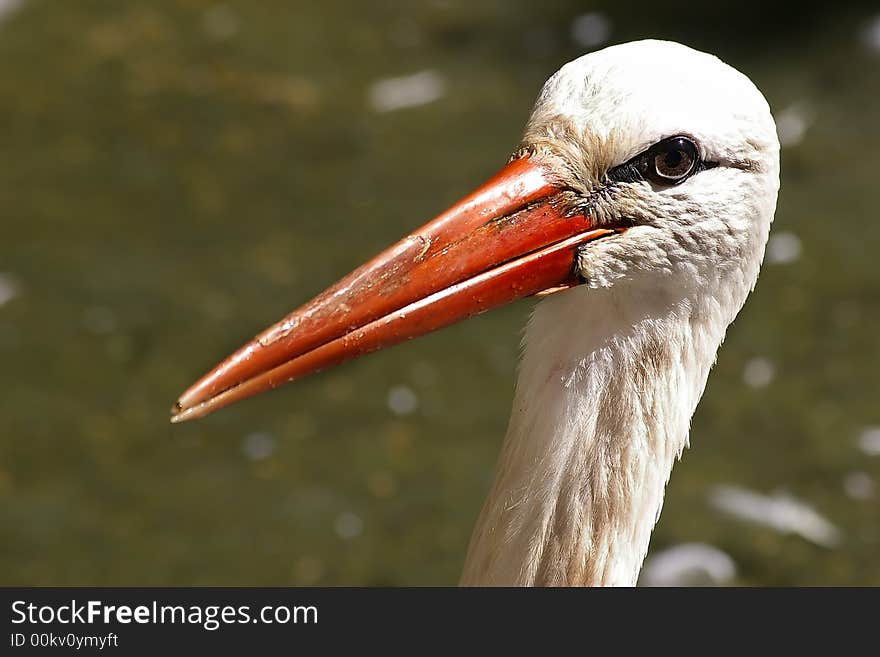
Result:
[{"x": 510, "y": 238}]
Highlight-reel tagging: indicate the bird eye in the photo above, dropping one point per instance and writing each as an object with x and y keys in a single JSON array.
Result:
[{"x": 670, "y": 161}]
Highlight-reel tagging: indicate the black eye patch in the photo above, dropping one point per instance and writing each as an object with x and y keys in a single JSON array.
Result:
[{"x": 668, "y": 162}]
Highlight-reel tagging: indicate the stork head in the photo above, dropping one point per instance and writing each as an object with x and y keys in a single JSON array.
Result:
[
  {"x": 645, "y": 164},
  {"x": 676, "y": 147}
]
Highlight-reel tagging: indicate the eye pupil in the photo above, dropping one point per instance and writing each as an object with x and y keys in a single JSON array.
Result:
[{"x": 673, "y": 159}]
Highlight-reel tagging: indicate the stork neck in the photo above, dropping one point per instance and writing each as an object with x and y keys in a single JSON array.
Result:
[{"x": 602, "y": 410}]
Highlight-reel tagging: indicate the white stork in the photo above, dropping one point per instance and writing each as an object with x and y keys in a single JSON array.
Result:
[{"x": 644, "y": 186}]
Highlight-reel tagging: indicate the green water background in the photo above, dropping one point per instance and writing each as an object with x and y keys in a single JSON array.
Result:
[{"x": 177, "y": 174}]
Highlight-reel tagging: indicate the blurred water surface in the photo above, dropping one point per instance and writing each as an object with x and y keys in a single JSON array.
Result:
[{"x": 179, "y": 173}]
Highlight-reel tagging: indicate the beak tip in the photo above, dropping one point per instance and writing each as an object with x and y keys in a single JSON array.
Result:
[{"x": 178, "y": 414}]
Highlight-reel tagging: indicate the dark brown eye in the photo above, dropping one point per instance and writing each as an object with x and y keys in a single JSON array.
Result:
[{"x": 670, "y": 161}]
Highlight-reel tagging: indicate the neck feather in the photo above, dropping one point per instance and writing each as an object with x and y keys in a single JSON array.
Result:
[{"x": 605, "y": 394}]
